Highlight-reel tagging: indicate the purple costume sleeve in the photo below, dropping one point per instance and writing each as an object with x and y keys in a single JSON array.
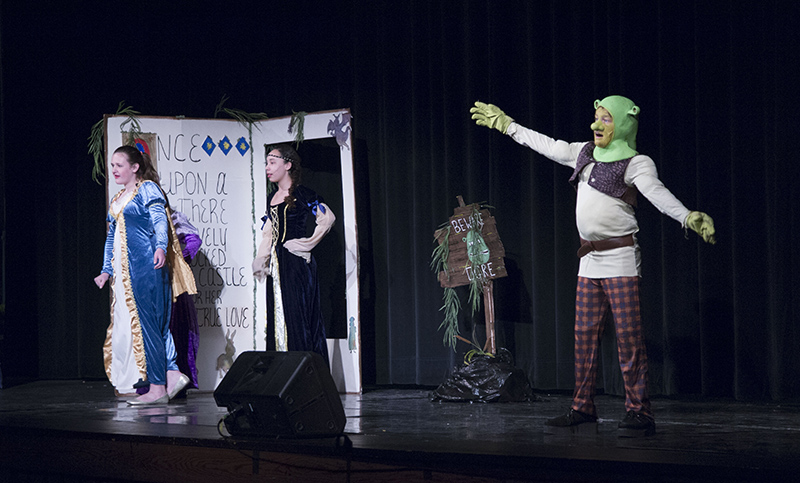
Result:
[
  {"x": 187, "y": 234},
  {"x": 192, "y": 243}
]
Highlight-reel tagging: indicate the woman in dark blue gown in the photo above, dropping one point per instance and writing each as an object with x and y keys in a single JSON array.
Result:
[{"x": 294, "y": 318}]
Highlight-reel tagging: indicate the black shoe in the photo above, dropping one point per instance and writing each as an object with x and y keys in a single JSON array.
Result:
[
  {"x": 636, "y": 425},
  {"x": 140, "y": 384},
  {"x": 571, "y": 418}
]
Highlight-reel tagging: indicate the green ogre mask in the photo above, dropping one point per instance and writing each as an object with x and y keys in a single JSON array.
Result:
[{"x": 626, "y": 123}]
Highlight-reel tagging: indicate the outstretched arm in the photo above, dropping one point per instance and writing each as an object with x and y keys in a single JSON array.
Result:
[
  {"x": 642, "y": 173},
  {"x": 492, "y": 116},
  {"x": 703, "y": 225}
]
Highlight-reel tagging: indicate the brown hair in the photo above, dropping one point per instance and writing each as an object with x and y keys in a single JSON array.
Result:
[
  {"x": 146, "y": 169},
  {"x": 288, "y": 153}
]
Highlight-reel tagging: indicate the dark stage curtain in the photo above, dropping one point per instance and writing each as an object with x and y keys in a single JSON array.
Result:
[{"x": 716, "y": 85}]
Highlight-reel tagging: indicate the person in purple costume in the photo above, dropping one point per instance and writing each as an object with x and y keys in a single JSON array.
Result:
[{"x": 183, "y": 323}]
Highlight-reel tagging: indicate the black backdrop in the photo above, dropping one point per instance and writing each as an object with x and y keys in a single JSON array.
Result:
[{"x": 717, "y": 86}]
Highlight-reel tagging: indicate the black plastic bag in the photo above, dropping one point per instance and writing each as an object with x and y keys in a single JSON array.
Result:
[{"x": 486, "y": 379}]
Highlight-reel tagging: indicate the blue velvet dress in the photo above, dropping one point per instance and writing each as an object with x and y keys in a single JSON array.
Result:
[
  {"x": 294, "y": 292},
  {"x": 142, "y": 295}
]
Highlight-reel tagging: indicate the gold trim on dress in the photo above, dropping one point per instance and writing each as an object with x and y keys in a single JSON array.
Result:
[
  {"x": 107, "y": 345},
  {"x": 180, "y": 273},
  {"x": 130, "y": 300},
  {"x": 281, "y": 337},
  {"x": 285, "y": 208},
  {"x": 107, "y": 353}
]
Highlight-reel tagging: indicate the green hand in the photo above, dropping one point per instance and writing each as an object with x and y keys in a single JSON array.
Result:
[
  {"x": 490, "y": 115},
  {"x": 703, "y": 225}
]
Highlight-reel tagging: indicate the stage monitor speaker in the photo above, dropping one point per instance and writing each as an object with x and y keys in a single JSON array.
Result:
[{"x": 280, "y": 394}]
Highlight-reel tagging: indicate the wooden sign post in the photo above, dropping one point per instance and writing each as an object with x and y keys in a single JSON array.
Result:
[{"x": 475, "y": 252}]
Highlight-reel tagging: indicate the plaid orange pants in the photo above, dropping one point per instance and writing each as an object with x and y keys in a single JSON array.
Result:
[{"x": 593, "y": 299}]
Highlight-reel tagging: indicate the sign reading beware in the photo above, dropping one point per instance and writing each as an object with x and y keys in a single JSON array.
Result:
[{"x": 490, "y": 251}]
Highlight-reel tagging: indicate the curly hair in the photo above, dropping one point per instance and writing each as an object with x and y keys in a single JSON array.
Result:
[{"x": 288, "y": 153}]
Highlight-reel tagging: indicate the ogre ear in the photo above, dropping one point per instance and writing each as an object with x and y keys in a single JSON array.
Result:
[
  {"x": 596, "y": 103},
  {"x": 634, "y": 111}
]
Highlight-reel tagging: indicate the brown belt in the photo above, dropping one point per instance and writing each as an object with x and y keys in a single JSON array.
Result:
[{"x": 607, "y": 244}]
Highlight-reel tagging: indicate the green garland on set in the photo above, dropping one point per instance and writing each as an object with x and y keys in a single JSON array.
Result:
[
  {"x": 248, "y": 120},
  {"x": 299, "y": 121},
  {"x": 97, "y": 138}
]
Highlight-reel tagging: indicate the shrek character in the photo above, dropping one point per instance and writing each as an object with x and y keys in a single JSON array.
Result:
[{"x": 608, "y": 175}]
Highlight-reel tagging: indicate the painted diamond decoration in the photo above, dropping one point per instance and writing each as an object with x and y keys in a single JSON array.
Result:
[
  {"x": 208, "y": 145},
  {"x": 225, "y": 145},
  {"x": 242, "y": 146}
]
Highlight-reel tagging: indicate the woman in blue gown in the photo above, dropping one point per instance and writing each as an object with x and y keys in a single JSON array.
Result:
[
  {"x": 138, "y": 342},
  {"x": 294, "y": 318}
]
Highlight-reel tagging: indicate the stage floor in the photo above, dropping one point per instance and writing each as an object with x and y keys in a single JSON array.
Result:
[{"x": 78, "y": 431}]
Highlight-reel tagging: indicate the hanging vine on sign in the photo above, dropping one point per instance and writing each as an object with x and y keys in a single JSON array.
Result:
[
  {"x": 476, "y": 254},
  {"x": 452, "y": 305}
]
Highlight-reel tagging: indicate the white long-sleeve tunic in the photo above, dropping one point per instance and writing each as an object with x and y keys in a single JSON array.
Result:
[{"x": 599, "y": 216}]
